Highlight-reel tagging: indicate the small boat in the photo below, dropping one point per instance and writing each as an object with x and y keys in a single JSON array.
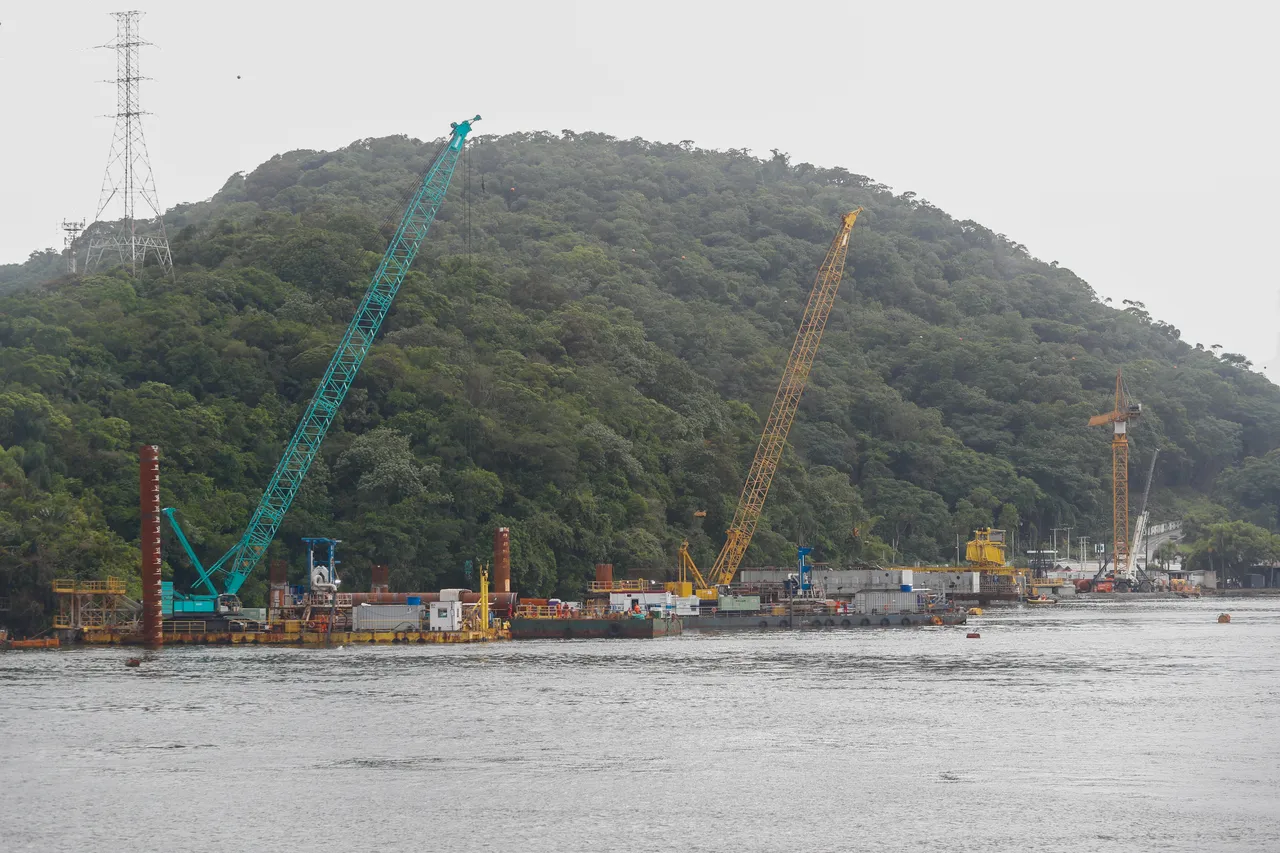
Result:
[{"x": 1041, "y": 599}]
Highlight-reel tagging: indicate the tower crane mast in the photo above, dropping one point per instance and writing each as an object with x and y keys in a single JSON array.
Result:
[
  {"x": 782, "y": 413},
  {"x": 1124, "y": 412},
  {"x": 237, "y": 564}
]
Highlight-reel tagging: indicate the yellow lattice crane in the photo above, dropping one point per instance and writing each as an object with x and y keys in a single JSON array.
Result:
[
  {"x": 1125, "y": 410},
  {"x": 783, "y": 413}
]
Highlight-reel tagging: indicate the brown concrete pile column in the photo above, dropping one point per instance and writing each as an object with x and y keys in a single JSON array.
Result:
[
  {"x": 380, "y": 578},
  {"x": 149, "y": 508},
  {"x": 502, "y": 560},
  {"x": 604, "y": 572}
]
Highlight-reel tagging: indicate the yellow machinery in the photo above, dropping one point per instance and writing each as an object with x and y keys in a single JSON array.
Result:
[
  {"x": 985, "y": 552},
  {"x": 986, "y": 549},
  {"x": 691, "y": 581},
  {"x": 1125, "y": 411},
  {"x": 776, "y": 428}
]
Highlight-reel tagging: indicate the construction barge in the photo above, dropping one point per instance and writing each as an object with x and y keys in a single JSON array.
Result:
[
  {"x": 761, "y": 621},
  {"x": 204, "y": 634},
  {"x": 575, "y": 625}
]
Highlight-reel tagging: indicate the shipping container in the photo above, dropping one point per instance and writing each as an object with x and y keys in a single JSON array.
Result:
[
  {"x": 739, "y": 603},
  {"x": 386, "y": 617},
  {"x": 687, "y": 605},
  {"x": 621, "y": 601},
  {"x": 888, "y": 601}
]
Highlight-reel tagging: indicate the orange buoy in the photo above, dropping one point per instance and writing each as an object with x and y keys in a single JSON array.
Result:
[
  {"x": 1224, "y": 618},
  {"x": 973, "y": 635},
  {"x": 133, "y": 662}
]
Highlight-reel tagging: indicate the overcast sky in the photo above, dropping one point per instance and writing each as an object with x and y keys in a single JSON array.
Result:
[{"x": 1132, "y": 142}]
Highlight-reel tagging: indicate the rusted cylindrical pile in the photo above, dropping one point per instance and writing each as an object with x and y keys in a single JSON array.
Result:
[
  {"x": 279, "y": 590},
  {"x": 502, "y": 560},
  {"x": 149, "y": 510},
  {"x": 380, "y": 578}
]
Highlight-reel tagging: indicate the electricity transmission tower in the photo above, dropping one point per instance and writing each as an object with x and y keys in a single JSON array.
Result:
[
  {"x": 72, "y": 230},
  {"x": 128, "y": 178}
]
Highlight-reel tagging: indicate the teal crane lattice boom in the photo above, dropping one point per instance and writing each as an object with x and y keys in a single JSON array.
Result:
[{"x": 239, "y": 562}]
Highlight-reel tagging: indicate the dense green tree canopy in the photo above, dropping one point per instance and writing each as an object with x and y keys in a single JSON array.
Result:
[{"x": 584, "y": 352}]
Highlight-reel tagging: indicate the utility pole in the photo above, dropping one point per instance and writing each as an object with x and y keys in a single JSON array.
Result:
[
  {"x": 128, "y": 177},
  {"x": 1055, "y": 542}
]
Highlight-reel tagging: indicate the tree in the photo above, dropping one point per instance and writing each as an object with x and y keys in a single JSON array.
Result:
[{"x": 1229, "y": 547}]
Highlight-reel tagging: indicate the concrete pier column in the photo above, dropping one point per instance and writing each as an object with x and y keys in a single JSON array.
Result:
[{"x": 149, "y": 508}]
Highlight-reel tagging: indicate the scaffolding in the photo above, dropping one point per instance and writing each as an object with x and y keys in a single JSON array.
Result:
[{"x": 98, "y": 605}]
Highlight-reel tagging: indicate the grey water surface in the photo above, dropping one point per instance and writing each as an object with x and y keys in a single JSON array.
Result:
[{"x": 1089, "y": 726}]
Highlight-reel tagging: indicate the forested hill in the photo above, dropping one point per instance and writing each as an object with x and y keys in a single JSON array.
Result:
[{"x": 584, "y": 352}]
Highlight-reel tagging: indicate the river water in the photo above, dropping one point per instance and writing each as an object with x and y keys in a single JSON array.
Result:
[{"x": 1090, "y": 726}]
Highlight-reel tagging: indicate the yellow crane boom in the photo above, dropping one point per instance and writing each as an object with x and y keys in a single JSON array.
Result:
[
  {"x": 1125, "y": 411},
  {"x": 783, "y": 412}
]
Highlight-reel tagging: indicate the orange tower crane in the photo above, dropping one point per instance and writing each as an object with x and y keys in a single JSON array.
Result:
[
  {"x": 1125, "y": 410},
  {"x": 783, "y": 413}
]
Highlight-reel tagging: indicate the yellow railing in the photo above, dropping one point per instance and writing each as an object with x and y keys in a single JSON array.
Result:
[
  {"x": 618, "y": 586},
  {"x": 184, "y": 627},
  {"x": 530, "y": 611},
  {"x": 110, "y": 586},
  {"x": 61, "y": 620}
]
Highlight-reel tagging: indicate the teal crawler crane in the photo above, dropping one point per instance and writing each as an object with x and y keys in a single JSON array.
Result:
[{"x": 235, "y": 566}]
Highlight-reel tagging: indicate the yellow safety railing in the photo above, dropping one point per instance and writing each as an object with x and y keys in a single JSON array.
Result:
[
  {"x": 110, "y": 586},
  {"x": 184, "y": 627},
  {"x": 618, "y": 586},
  {"x": 61, "y": 620},
  {"x": 531, "y": 611}
]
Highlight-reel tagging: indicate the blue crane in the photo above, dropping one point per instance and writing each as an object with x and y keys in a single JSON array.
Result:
[{"x": 237, "y": 564}]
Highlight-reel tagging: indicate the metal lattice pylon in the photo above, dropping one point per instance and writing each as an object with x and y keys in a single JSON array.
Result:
[{"x": 128, "y": 178}]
